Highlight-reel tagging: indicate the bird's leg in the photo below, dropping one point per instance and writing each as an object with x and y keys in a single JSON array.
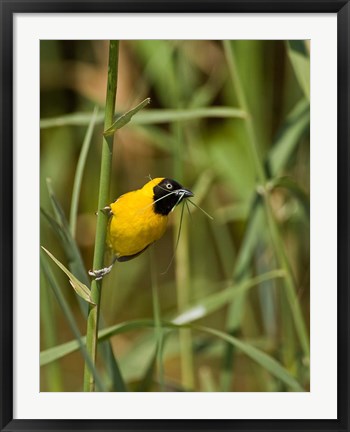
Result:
[{"x": 98, "y": 274}]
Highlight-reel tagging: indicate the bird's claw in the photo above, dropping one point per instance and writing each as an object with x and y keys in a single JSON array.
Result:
[{"x": 98, "y": 274}]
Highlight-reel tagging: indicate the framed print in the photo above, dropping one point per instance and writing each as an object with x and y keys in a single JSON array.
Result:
[{"x": 174, "y": 216}]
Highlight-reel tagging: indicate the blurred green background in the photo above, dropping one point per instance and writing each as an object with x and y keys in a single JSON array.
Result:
[{"x": 230, "y": 121}]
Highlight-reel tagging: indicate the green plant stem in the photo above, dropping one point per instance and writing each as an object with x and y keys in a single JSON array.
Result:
[
  {"x": 102, "y": 219},
  {"x": 274, "y": 232}
]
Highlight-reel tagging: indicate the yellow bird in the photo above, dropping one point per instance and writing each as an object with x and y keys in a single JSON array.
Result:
[{"x": 139, "y": 218}]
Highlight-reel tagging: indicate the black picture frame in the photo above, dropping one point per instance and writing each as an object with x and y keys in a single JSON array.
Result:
[{"x": 11, "y": 7}]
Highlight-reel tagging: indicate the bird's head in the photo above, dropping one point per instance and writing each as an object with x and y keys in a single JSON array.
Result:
[{"x": 167, "y": 194}]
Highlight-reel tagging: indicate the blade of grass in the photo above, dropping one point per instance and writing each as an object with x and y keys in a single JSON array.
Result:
[
  {"x": 126, "y": 118},
  {"x": 61, "y": 228},
  {"x": 73, "y": 119},
  {"x": 263, "y": 359},
  {"x": 174, "y": 115},
  {"x": 80, "y": 171},
  {"x": 154, "y": 116},
  {"x": 55, "y": 353},
  {"x": 81, "y": 289},
  {"x": 114, "y": 372},
  {"x": 219, "y": 299},
  {"x": 71, "y": 321}
]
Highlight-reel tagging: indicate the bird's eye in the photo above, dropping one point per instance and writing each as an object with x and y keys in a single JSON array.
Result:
[{"x": 169, "y": 186}]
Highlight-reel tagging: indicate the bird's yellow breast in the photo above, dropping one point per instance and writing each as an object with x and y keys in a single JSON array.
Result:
[{"x": 134, "y": 225}]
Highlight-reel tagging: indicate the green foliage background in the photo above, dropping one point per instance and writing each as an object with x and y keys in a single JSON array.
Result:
[{"x": 229, "y": 120}]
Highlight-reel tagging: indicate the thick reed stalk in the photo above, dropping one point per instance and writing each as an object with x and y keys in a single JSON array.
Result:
[
  {"x": 183, "y": 298},
  {"x": 102, "y": 219},
  {"x": 182, "y": 271},
  {"x": 157, "y": 321}
]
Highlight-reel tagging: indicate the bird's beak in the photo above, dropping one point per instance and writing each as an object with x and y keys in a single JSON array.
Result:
[{"x": 184, "y": 192}]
